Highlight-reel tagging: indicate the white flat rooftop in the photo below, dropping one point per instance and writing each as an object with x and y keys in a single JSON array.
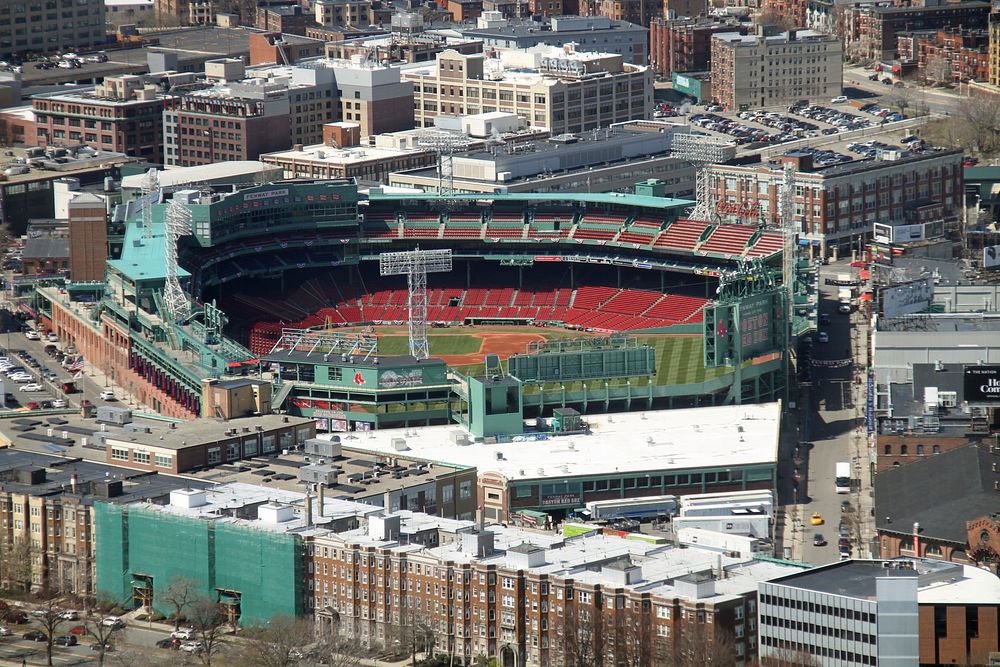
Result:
[
  {"x": 321, "y": 153},
  {"x": 732, "y": 435},
  {"x": 205, "y": 173},
  {"x": 976, "y": 586}
]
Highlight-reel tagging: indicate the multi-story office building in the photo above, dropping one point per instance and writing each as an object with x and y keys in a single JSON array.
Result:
[
  {"x": 892, "y": 613},
  {"x": 588, "y": 33},
  {"x": 757, "y": 71},
  {"x": 870, "y": 31},
  {"x": 837, "y": 205},
  {"x": 536, "y": 598},
  {"x": 123, "y": 114},
  {"x": 57, "y": 25},
  {"x": 342, "y": 13},
  {"x": 558, "y": 88}
]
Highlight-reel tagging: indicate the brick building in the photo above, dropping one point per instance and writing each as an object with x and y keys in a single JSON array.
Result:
[
  {"x": 923, "y": 509},
  {"x": 837, "y": 204},
  {"x": 786, "y": 12},
  {"x": 871, "y": 31},
  {"x": 759, "y": 71},
  {"x": 289, "y": 19},
  {"x": 275, "y": 48},
  {"x": 684, "y": 44},
  {"x": 88, "y": 238},
  {"x": 123, "y": 114},
  {"x": 46, "y": 508},
  {"x": 948, "y": 56},
  {"x": 536, "y": 598},
  {"x": 37, "y": 27}
]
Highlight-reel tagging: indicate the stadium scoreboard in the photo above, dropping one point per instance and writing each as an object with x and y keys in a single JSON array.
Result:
[{"x": 744, "y": 329}]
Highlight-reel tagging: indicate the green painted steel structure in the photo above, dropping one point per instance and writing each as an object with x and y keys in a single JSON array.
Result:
[{"x": 140, "y": 547}]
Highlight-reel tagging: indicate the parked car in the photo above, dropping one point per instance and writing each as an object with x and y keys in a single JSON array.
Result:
[
  {"x": 839, "y": 99},
  {"x": 31, "y": 334},
  {"x": 191, "y": 647},
  {"x": 113, "y": 622},
  {"x": 183, "y": 633},
  {"x": 34, "y": 386},
  {"x": 59, "y": 403},
  {"x": 52, "y": 337},
  {"x": 69, "y": 615},
  {"x": 844, "y": 542},
  {"x": 35, "y": 636},
  {"x": 170, "y": 643},
  {"x": 78, "y": 630},
  {"x": 65, "y": 640}
]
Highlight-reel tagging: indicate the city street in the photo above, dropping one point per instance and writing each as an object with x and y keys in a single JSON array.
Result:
[
  {"x": 831, "y": 410},
  {"x": 938, "y": 101}
]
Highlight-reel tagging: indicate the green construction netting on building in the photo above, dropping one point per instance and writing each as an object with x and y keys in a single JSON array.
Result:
[{"x": 261, "y": 569}]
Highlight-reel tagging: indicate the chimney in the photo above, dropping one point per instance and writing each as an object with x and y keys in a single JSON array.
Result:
[
  {"x": 309, "y": 510},
  {"x": 72, "y": 482},
  {"x": 320, "y": 500},
  {"x": 916, "y": 539}
]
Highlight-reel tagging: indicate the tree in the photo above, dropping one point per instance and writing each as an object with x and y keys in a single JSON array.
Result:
[
  {"x": 15, "y": 564},
  {"x": 51, "y": 618},
  {"x": 413, "y": 634},
  {"x": 105, "y": 635},
  {"x": 336, "y": 650},
  {"x": 578, "y": 642},
  {"x": 279, "y": 643},
  {"x": 208, "y": 619},
  {"x": 179, "y": 595},
  {"x": 789, "y": 658},
  {"x": 938, "y": 69},
  {"x": 693, "y": 645}
]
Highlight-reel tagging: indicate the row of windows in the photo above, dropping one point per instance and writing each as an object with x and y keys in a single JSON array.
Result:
[
  {"x": 802, "y": 605},
  {"x": 836, "y": 654},
  {"x": 817, "y": 629},
  {"x": 904, "y": 450}
]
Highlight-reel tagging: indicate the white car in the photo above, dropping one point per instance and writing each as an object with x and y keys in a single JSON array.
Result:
[
  {"x": 113, "y": 622},
  {"x": 52, "y": 337},
  {"x": 191, "y": 647},
  {"x": 107, "y": 395},
  {"x": 34, "y": 386},
  {"x": 839, "y": 99},
  {"x": 183, "y": 633},
  {"x": 31, "y": 334},
  {"x": 69, "y": 615},
  {"x": 59, "y": 403}
]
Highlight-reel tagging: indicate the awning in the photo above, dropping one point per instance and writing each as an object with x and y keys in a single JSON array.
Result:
[
  {"x": 233, "y": 364},
  {"x": 251, "y": 362}
]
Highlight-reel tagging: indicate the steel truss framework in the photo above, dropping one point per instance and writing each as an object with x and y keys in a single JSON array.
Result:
[
  {"x": 416, "y": 264},
  {"x": 701, "y": 150}
]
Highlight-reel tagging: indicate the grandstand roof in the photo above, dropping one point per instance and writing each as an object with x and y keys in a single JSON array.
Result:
[
  {"x": 376, "y": 194},
  {"x": 143, "y": 258},
  {"x": 683, "y": 439}
]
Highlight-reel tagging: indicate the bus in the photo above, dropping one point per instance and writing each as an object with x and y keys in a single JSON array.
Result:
[{"x": 843, "y": 478}]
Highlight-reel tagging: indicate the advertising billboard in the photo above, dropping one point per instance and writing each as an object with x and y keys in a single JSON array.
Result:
[
  {"x": 991, "y": 256},
  {"x": 906, "y": 298},
  {"x": 982, "y": 384}
]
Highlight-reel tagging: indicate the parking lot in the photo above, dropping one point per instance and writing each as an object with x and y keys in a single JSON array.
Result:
[{"x": 32, "y": 382}]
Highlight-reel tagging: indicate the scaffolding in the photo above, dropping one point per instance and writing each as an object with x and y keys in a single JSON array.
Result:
[
  {"x": 150, "y": 196},
  {"x": 416, "y": 264},
  {"x": 701, "y": 150}
]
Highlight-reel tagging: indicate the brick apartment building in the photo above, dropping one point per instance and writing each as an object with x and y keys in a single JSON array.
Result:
[
  {"x": 288, "y": 19},
  {"x": 501, "y": 592},
  {"x": 871, "y": 32},
  {"x": 836, "y": 205},
  {"x": 123, "y": 115},
  {"x": 275, "y": 48},
  {"x": 684, "y": 44},
  {"x": 947, "y": 56},
  {"x": 786, "y": 12},
  {"x": 37, "y": 27}
]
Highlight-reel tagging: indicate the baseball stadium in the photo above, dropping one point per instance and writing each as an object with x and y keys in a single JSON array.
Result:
[{"x": 374, "y": 310}]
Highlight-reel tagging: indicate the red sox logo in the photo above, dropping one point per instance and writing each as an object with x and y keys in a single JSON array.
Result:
[{"x": 359, "y": 379}]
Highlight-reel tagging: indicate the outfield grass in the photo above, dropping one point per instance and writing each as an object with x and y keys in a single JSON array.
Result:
[{"x": 439, "y": 345}]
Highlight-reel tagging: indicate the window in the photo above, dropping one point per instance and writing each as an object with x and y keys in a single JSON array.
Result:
[
  {"x": 164, "y": 461},
  {"x": 465, "y": 489},
  {"x": 214, "y": 455},
  {"x": 118, "y": 455},
  {"x": 140, "y": 457}
]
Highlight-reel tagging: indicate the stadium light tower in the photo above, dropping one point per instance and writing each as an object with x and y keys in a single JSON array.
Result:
[
  {"x": 178, "y": 223},
  {"x": 150, "y": 195},
  {"x": 444, "y": 144},
  {"x": 701, "y": 150},
  {"x": 416, "y": 264}
]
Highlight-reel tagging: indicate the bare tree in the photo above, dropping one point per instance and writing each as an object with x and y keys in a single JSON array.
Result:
[
  {"x": 937, "y": 69},
  {"x": 208, "y": 619},
  {"x": 15, "y": 564},
  {"x": 105, "y": 631},
  {"x": 413, "y": 634},
  {"x": 279, "y": 643},
  {"x": 789, "y": 658},
  {"x": 336, "y": 650},
  {"x": 50, "y": 617},
  {"x": 578, "y": 642},
  {"x": 694, "y": 645},
  {"x": 181, "y": 592}
]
